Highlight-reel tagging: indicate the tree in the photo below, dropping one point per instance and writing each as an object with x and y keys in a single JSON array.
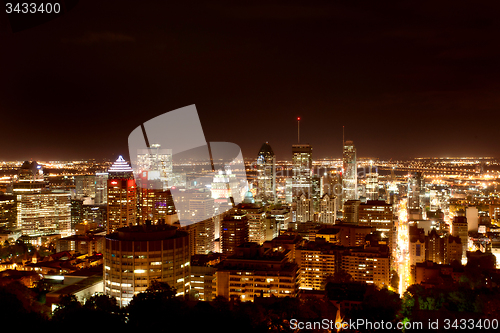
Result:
[
  {"x": 150, "y": 309},
  {"x": 394, "y": 280}
]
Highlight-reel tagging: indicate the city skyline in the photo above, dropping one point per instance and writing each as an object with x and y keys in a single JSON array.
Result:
[{"x": 405, "y": 82}]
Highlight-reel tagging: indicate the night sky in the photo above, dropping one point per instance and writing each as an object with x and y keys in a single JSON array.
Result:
[{"x": 405, "y": 78}]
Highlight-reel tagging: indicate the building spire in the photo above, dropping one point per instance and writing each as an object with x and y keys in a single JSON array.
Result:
[{"x": 298, "y": 129}]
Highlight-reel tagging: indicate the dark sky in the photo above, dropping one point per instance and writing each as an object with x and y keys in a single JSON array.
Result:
[{"x": 405, "y": 78}]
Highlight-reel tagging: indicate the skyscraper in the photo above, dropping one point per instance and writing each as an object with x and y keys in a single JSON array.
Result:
[
  {"x": 121, "y": 196},
  {"x": 101, "y": 188},
  {"x": 157, "y": 163},
  {"x": 85, "y": 186},
  {"x": 372, "y": 192},
  {"x": 414, "y": 188},
  {"x": 40, "y": 211},
  {"x": 350, "y": 172},
  {"x": 266, "y": 174},
  {"x": 327, "y": 209},
  {"x": 136, "y": 256},
  {"x": 302, "y": 168}
]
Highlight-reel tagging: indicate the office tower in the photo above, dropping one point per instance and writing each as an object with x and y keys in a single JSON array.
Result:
[
  {"x": 256, "y": 219},
  {"x": 316, "y": 191},
  {"x": 304, "y": 209},
  {"x": 135, "y": 256},
  {"x": 101, "y": 188},
  {"x": 327, "y": 209},
  {"x": 372, "y": 192},
  {"x": 415, "y": 185},
  {"x": 154, "y": 204},
  {"x": 40, "y": 211},
  {"x": 122, "y": 194},
  {"x": 350, "y": 172},
  {"x": 266, "y": 174},
  {"x": 256, "y": 272},
  {"x": 204, "y": 240},
  {"x": 351, "y": 210},
  {"x": 452, "y": 249},
  {"x": 157, "y": 163},
  {"x": 85, "y": 186},
  {"x": 417, "y": 248},
  {"x": 76, "y": 212},
  {"x": 201, "y": 236},
  {"x": 302, "y": 169},
  {"x": 8, "y": 214},
  {"x": 283, "y": 217},
  {"x": 95, "y": 214},
  {"x": 44, "y": 213},
  {"x": 288, "y": 190},
  {"x": 434, "y": 247},
  {"x": 223, "y": 184},
  {"x": 376, "y": 213},
  {"x": 234, "y": 232},
  {"x": 459, "y": 229}
]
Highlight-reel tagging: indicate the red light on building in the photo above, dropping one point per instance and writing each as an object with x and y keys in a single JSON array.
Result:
[{"x": 114, "y": 182}]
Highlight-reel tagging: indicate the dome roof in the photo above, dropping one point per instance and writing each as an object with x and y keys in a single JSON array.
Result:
[{"x": 248, "y": 198}]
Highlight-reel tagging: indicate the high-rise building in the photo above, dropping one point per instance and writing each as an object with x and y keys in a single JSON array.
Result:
[
  {"x": 85, "y": 186},
  {"x": 122, "y": 194},
  {"x": 254, "y": 271},
  {"x": 157, "y": 163},
  {"x": 459, "y": 229},
  {"x": 302, "y": 169},
  {"x": 351, "y": 211},
  {"x": 40, "y": 211},
  {"x": 415, "y": 185},
  {"x": 44, "y": 213},
  {"x": 101, "y": 188},
  {"x": 234, "y": 232},
  {"x": 304, "y": 209},
  {"x": 317, "y": 261},
  {"x": 372, "y": 191},
  {"x": 327, "y": 209},
  {"x": 376, "y": 213},
  {"x": 266, "y": 174},
  {"x": 135, "y": 256},
  {"x": 350, "y": 172},
  {"x": 8, "y": 213},
  {"x": 369, "y": 265}
]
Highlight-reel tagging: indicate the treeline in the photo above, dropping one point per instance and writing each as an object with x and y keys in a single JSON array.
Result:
[{"x": 158, "y": 309}]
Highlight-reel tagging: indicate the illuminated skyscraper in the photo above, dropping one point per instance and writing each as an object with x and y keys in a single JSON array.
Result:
[
  {"x": 44, "y": 213},
  {"x": 302, "y": 168},
  {"x": 327, "y": 209},
  {"x": 415, "y": 185},
  {"x": 136, "y": 256},
  {"x": 121, "y": 196},
  {"x": 266, "y": 174},
  {"x": 157, "y": 163},
  {"x": 40, "y": 211},
  {"x": 372, "y": 192},
  {"x": 85, "y": 186},
  {"x": 101, "y": 188},
  {"x": 350, "y": 173}
]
